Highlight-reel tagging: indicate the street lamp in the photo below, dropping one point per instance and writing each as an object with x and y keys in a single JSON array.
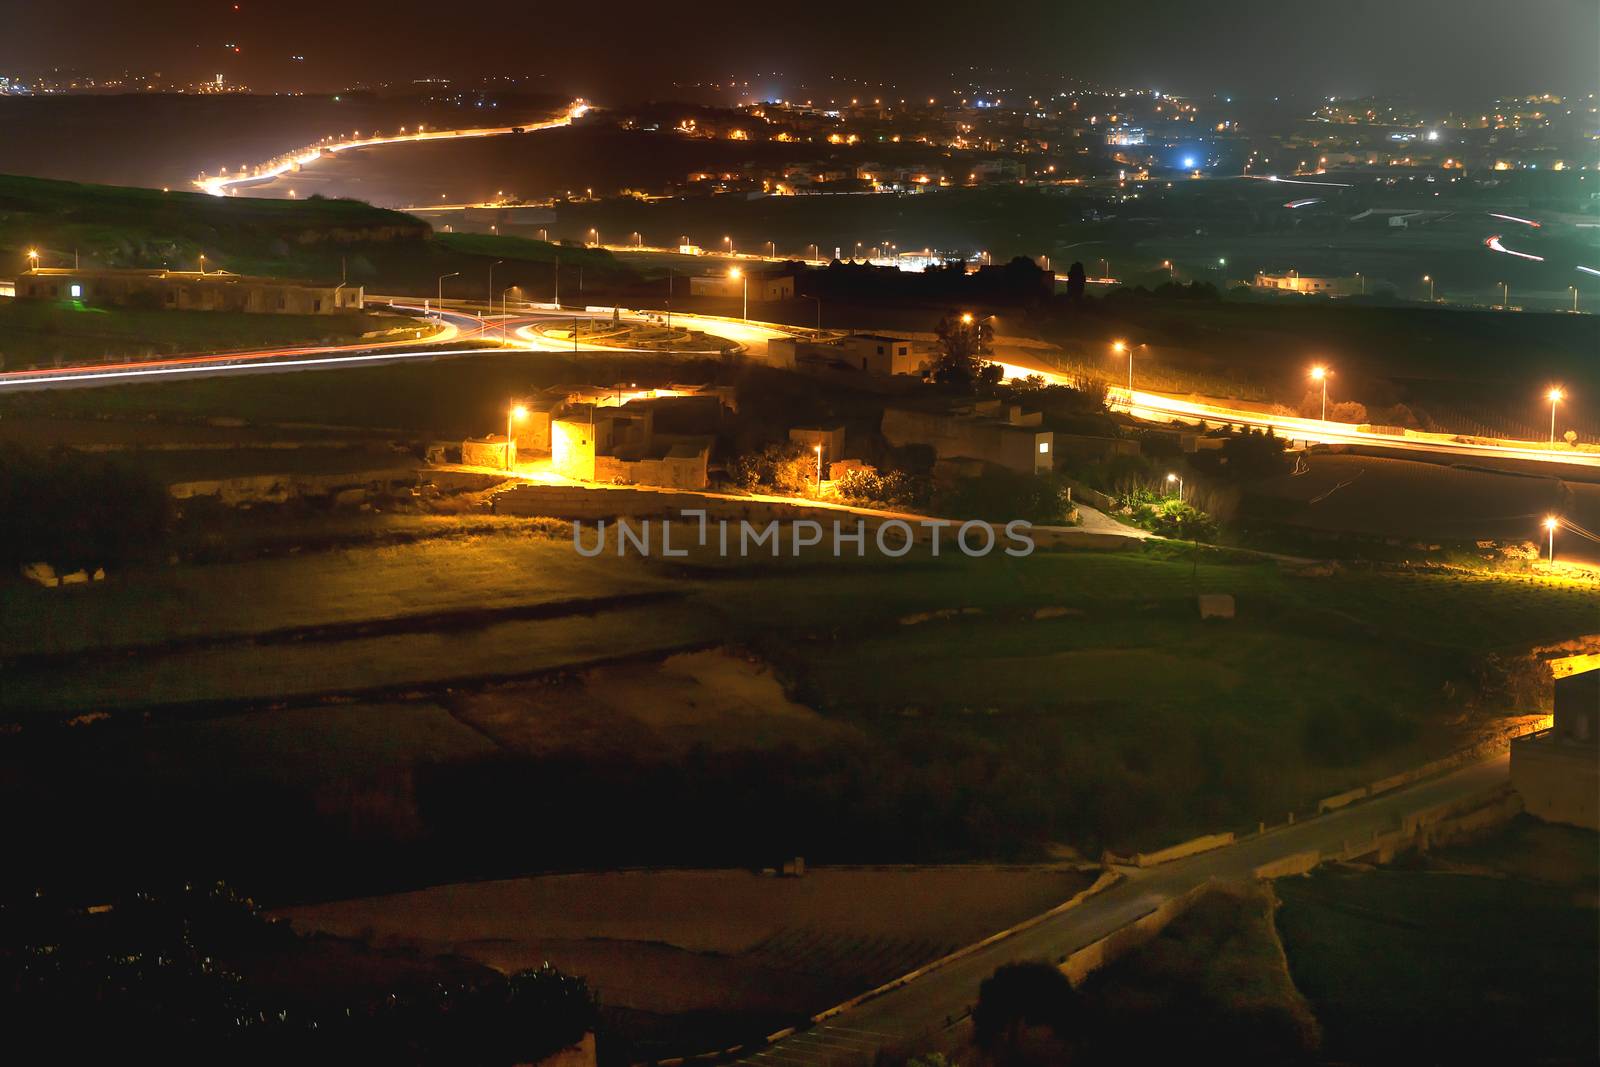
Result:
[
  {"x": 596, "y": 235},
  {"x": 729, "y": 242},
  {"x": 503, "y": 293},
  {"x": 1320, "y": 374},
  {"x": 1119, "y": 347},
  {"x": 515, "y": 415},
  {"x": 1550, "y": 524},
  {"x": 1505, "y": 296},
  {"x": 818, "y": 450},
  {"x": 735, "y": 272},
  {"x": 202, "y": 263},
  {"x": 492, "y": 266},
  {"x": 442, "y": 277},
  {"x": 1179, "y": 480},
  {"x": 1574, "y": 290},
  {"x": 966, "y": 318},
  {"x": 1429, "y": 279},
  {"x": 1555, "y": 396}
]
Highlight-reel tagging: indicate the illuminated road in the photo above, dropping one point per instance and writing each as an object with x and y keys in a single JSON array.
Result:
[
  {"x": 1156, "y": 407},
  {"x": 218, "y": 185},
  {"x": 458, "y": 326},
  {"x": 907, "y": 1019}
]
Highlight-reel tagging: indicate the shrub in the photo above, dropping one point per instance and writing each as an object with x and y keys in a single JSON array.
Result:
[
  {"x": 787, "y": 467},
  {"x": 888, "y": 489}
]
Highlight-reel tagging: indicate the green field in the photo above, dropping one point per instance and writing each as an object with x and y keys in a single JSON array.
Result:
[{"x": 1421, "y": 966}]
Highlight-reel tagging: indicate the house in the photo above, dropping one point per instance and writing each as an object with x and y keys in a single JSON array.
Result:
[
  {"x": 760, "y": 287},
  {"x": 988, "y": 432},
  {"x": 881, "y": 354},
  {"x": 622, "y": 444},
  {"x": 1557, "y": 771},
  {"x": 172, "y": 290},
  {"x": 1295, "y": 282}
]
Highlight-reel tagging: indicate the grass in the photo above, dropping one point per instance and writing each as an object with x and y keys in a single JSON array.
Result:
[
  {"x": 1215, "y": 977},
  {"x": 35, "y": 333},
  {"x": 1442, "y": 968}
]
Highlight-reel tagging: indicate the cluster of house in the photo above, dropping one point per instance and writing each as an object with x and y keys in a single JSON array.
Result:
[
  {"x": 659, "y": 437},
  {"x": 156, "y": 289}
]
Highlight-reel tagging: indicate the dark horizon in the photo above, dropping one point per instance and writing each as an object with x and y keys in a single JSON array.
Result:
[{"x": 1430, "y": 52}]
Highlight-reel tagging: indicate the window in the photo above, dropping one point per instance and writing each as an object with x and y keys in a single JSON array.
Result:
[
  {"x": 1044, "y": 447},
  {"x": 77, "y": 291}
]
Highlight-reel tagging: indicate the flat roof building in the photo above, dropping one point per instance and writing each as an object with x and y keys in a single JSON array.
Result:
[{"x": 158, "y": 289}]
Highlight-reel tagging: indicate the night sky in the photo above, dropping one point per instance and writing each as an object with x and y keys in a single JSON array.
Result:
[{"x": 1435, "y": 51}]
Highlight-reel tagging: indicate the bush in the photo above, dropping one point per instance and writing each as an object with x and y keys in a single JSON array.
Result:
[
  {"x": 788, "y": 468},
  {"x": 889, "y": 489},
  {"x": 1000, "y": 496}
]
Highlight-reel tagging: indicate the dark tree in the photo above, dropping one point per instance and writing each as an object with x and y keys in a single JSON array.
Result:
[
  {"x": 1075, "y": 281},
  {"x": 964, "y": 342},
  {"x": 1026, "y": 1013}
]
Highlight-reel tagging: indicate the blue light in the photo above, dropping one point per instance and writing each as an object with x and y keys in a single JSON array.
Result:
[{"x": 1188, "y": 163}]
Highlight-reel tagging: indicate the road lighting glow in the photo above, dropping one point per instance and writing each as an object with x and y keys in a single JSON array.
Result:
[
  {"x": 1555, "y": 396},
  {"x": 966, "y": 318},
  {"x": 517, "y": 413},
  {"x": 1119, "y": 347},
  {"x": 1550, "y": 524},
  {"x": 1320, "y": 374}
]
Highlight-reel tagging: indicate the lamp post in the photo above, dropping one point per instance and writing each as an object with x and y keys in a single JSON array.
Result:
[
  {"x": 745, "y": 285},
  {"x": 818, "y": 450},
  {"x": 1550, "y": 524},
  {"x": 1574, "y": 290},
  {"x": 33, "y": 259},
  {"x": 729, "y": 242},
  {"x": 1119, "y": 347},
  {"x": 1179, "y": 479},
  {"x": 515, "y": 415},
  {"x": 1505, "y": 296},
  {"x": 503, "y": 294},
  {"x": 202, "y": 264},
  {"x": 442, "y": 277},
  {"x": 1320, "y": 374},
  {"x": 1429, "y": 279},
  {"x": 594, "y": 233},
  {"x": 492, "y": 266},
  {"x": 1555, "y": 396}
]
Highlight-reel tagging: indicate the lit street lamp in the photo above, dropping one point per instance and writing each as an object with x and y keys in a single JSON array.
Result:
[
  {"x": 1119, "y": 347},
  {"x": 1505, "y": 296},
  {"x": 202, "y": 263},
  {"x": 729, "y": 242},
  {"x": 596, "y": 235},
  {"x": 1555, "y": 396},
  {"x": 735, "y": 272},
  {"x": 818, "y": 450},
  {"x": 503, "y": 294},
  {"x": 1179, "y": 479},
  {"x": 1574, "y": 290},
  {"x": 1429, "y": 279},
  {"x": 1550, "y": 524},
  {"x": 515, "y": 415},
  {"x": 1320, "y": 374},
  {"x": 442, "y": 277},
  {"x": 492, "y": 266},
  {"x": 33, "y": 259}
]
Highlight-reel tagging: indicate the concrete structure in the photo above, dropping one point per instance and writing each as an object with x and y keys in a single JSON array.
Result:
[
  {"x": 621, "y": 445},
  {"x": 881, "y": 354},
  {"x": 1295, "y": 282},
  {"x": 992, "y": 433},
  {"x": 830, "y": 438},
  {"x": 1557, "y": 771},
  {"x": 762, "y": 287},
  {"x": 487, "y": 452},
  {"x": 172, "y": 290}
]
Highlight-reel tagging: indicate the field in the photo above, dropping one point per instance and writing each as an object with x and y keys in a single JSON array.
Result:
[
  {"x": 681, "y": 959},
  {"x": 1440, "y": 966}
]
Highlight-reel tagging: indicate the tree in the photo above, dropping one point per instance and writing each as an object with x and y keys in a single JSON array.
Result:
[
  {"x": 964, "y": 342},
  {"x": 1075, "y": 281},
  {"x": 1017, "y": 1002}
]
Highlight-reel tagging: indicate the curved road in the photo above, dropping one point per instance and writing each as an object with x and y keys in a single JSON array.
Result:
[{"x": 906, "y": 1019}]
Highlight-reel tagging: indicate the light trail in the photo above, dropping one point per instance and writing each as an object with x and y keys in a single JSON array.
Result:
[
  {"x": 1296, "y": 181},
  {"x": 135, "y": 371},
  {"x": 1494, "y": 243},
  {"x": 1156, "y": 407},
  {"x": 1513, "y": 218},
  {"x": 1589, "y": 270},
  {"x": 219, "y": 186}
]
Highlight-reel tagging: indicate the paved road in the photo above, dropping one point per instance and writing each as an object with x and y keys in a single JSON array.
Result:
[{"x": 924, "y": 1007}]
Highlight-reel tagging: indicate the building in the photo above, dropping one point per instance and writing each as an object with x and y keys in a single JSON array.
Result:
[
  {"x": 987, "y": 432},
  {"x": 621, "y": 445},
  {"x": 881, "y": 354},
  {"x": 172, "y": 290},
  {"x": 1557, "y": 771},
  {"x": 761, "y": 287},
  {"x": 829, "y": 438},
  {"x": 1295, "y": 282}
]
